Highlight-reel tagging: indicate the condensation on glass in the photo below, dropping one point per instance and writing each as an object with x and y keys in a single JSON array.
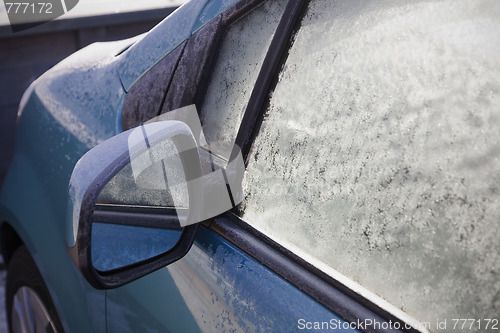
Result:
[
  {"x": 380, "y": 152},
  {"x": 240, "y": 59}
]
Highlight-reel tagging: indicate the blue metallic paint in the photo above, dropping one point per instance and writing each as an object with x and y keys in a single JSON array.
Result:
[{"x": 223, "y": 288}]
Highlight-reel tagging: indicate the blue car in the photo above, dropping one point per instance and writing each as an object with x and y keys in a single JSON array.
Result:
[{"x": 264, "y": 166}]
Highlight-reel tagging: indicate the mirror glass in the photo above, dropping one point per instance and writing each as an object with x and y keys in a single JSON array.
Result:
[
  {"x": 154, "y": 178},
  {"x": 115, "y": 245},
  {"x": 135, "y": 217}
]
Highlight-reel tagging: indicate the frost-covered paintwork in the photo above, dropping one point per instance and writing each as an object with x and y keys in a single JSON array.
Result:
[
  {"x": 72, "y": 108},
  {"x": 215, "y": 288}
]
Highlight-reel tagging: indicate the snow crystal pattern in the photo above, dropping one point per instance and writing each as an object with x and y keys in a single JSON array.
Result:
[{"x": 379, "y": 153}]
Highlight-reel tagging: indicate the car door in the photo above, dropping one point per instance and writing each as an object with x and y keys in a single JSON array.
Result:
[
  {"x": 360, "y": 211},
  {"x": 216, "y": 287}
]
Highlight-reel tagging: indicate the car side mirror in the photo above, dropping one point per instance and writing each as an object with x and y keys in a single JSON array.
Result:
[{"x": 134, "y": 203}]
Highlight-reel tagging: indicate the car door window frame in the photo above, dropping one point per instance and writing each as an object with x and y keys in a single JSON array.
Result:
[{"x": 331, "y": 293}]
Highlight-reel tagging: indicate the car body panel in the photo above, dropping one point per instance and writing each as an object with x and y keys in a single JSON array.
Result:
[
  {"x": 224, "y": 290},
  {"x": 71, "y": 108},
  {"x": 42, "y": 232}
]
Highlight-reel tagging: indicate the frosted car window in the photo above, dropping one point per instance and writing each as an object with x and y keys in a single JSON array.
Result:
[
  {"x": 241, "y": 56},
  {"x": 379, "y": 155}
]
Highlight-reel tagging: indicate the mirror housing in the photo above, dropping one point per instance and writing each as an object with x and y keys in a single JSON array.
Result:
[{"x": 97, "y": 167}]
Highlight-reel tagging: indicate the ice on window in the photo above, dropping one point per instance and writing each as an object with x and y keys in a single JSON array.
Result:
[
  {"x": 380, "y": 152},
  {"x": 241, "y": 56}
]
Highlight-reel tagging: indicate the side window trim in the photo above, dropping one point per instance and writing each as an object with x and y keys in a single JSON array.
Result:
[{"x": 267, "y": 77}]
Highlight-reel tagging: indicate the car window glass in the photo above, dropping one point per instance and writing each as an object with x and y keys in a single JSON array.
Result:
[
  {"x": 240, "y": 59},
  {"x": 379, "y": 154}
]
